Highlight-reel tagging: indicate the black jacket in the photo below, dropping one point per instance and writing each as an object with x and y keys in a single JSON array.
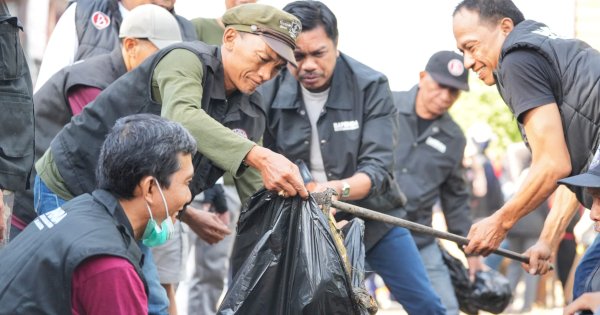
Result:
[
  {"x": 100, "y": 40},
  {"x": 578, "y": 100},
  {"x": 36, "y": 268},
  {"x": 52, "y": 110},
  {"x": 429, "y": 168},
  {"x": 77, "y": 146},
  {"x": 359, "y": 97},
  {"x": 16, "y": 120}
]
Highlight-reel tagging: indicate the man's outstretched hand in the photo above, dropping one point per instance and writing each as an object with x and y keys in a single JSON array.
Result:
[
  {"x": 540, "y": 256},
  {"x": 207, "y": 225},
  {"x": 485, "y": 236},
  {"x": 277, "y": 172}
]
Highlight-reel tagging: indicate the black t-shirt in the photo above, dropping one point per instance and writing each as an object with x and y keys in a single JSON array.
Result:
[
  {"x": 423, "y": 124},
  {"x": 529, "y": 81}
]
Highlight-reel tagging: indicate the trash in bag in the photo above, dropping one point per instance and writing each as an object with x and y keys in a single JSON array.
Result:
[
  {"x": 490, "y": 292},
  {"x": 288, "y": 259}
]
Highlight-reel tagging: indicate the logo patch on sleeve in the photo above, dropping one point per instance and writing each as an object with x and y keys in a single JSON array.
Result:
[
  {"x": 100, "y": 20},
  {"x": 240, "y": 132}
]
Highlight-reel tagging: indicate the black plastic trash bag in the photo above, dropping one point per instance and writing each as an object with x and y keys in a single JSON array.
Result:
[
  {"x": 490, "y": 292},
  {"x": 286, "y": 260}
]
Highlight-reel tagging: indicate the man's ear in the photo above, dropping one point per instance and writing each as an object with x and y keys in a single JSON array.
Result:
[
  {"x": 506, "y": 25},
  {"x": 229, "y": 37},
  {"x": 130, "y": 44},
  {"x": 422, "y": 75},
  {"x": 146, "y": 189}
]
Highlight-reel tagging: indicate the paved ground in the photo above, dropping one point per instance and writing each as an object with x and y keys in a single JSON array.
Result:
[
  {"x": 536, "y": 311},
  {"x": 553, "y": 299}
]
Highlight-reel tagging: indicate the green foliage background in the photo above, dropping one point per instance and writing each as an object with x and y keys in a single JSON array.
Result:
[{"x": 484, "y": 104}]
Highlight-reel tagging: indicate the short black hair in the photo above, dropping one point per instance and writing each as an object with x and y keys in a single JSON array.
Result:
[
  {"x": 313, "y": 14},
  {"x": 141, "y": 145},
  {"x": 492, "y": 11}
]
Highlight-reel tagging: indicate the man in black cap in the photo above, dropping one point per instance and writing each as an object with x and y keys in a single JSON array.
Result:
[
  {"x": 429, "y": 162},
  {"x": 590, "y": 294}
]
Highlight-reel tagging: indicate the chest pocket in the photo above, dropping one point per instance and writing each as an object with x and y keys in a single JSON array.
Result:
[
  {"x": 17, "y": 118},
  {"x": 11, "y": 58}
]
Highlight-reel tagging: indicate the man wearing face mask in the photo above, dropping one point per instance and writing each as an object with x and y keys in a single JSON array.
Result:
[
  {"x": 83, "y": 257},
  {"x": 145, "y": 30},
  {"x": 209, "y": 90}
]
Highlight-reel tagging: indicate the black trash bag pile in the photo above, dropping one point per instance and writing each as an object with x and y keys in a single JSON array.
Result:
[
  {"x": 287, "y": 260},
  {"x": 490, "y": 292}
]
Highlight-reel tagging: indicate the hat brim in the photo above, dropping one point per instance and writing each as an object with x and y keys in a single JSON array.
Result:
[
  {"x": 451, "y": 82},
  {"x": 162, "y": 43},
  {"x": 281, "y": 48},
  {"x": 582, "y": 180}
]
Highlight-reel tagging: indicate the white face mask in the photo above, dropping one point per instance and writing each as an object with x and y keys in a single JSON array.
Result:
[{"x": 155, "y": 235}]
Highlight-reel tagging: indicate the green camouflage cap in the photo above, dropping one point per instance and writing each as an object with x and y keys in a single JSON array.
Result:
[{"x": 277, "y": 28}]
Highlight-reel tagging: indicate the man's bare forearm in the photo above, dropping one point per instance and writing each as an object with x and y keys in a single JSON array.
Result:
[
  {"x": 539, "y": 184},
  {"x": 563, "y": 209}
]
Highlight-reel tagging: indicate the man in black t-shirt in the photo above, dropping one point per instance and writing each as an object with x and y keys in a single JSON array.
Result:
[{"x": 551, "y": 85}]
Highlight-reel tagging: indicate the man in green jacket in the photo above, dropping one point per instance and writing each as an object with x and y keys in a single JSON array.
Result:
[{"x": 209, "y": 90}]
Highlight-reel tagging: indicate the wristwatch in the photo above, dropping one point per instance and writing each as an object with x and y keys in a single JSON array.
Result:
[{"x": 345, "y": 189}]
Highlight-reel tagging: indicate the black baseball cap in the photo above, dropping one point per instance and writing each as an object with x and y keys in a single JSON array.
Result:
[
  {"x": 447, "y": 68},
  {"x": 589, "y": 179}
]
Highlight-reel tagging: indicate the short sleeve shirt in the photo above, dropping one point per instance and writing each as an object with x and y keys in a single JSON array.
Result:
[{"x": 529, "y": 81}]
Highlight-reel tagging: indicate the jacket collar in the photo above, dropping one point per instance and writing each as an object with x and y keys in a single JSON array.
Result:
[
  {"x": 112, "y": 205},
  {"x": 116, "y": 56},
  {"x": 407, "y": 108},
  {"x": 248, "y": 103},
  {"x": 289, "y": 95},
  {"x": 218, "y": 89}
]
